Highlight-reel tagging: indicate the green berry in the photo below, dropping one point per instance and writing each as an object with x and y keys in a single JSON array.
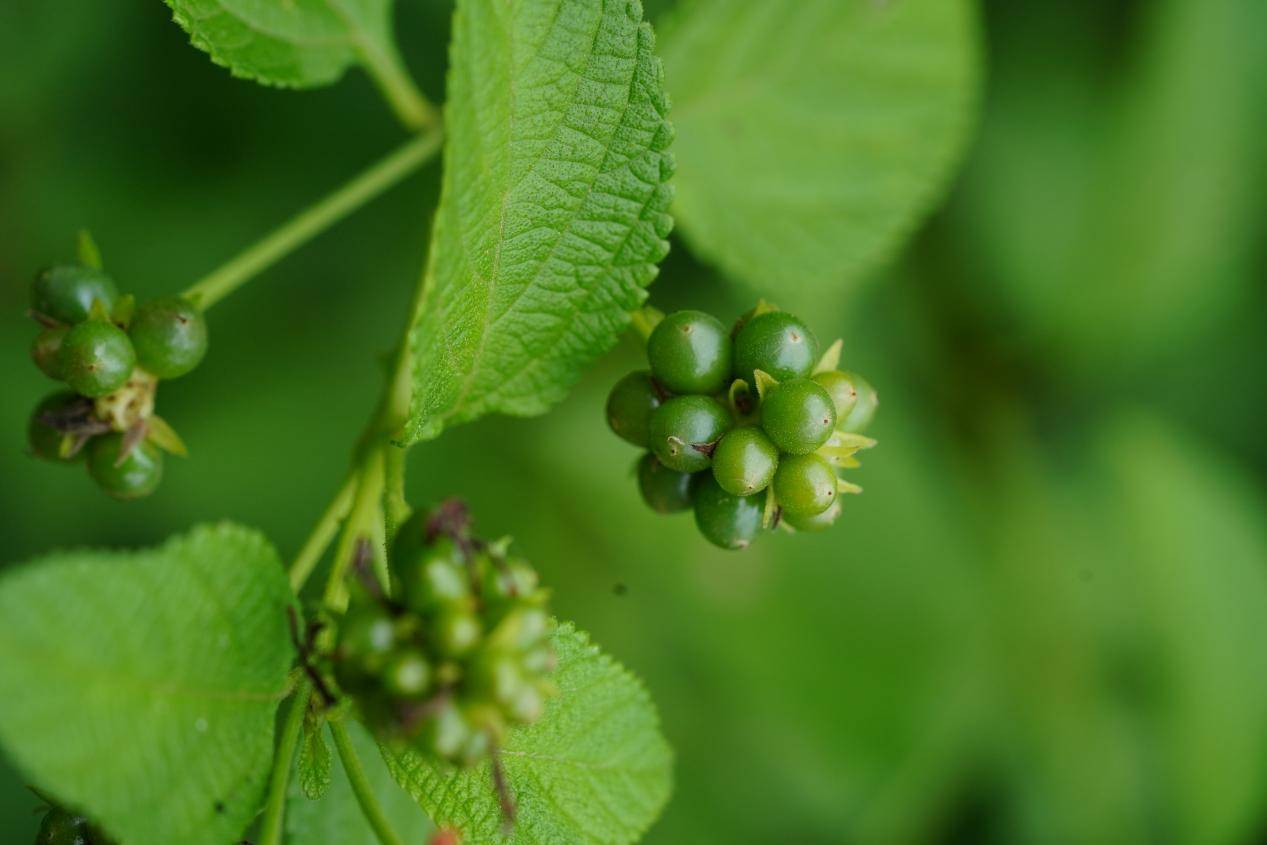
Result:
[
  {"x": 864, "y": 410},
  {"x": 629, "y": 407},
  {"x": 436, "y": 577},
  {"x": 62, "y": 828},
  {"x": 724, "y": 519},
  {"x": 497, "y": 676},
  {"x": 843, "y": 392},
  {"x": 131, "y": 477},
  {"x": 814, "y": 522},
  {"x": 509, "y": 579},
  {"x": 804, "y": 485},
  {"x": 456, "y": 631},
  {"x": 799, "y": 415},
  {"x": 45, "y": 440},
  {"x": 67, "y": 293},
  {"x": 777, "y": 343},
  {"x": 744, "y": 461},
  {"x": 690, "y": 352},
  {"x": 446, "y": 733},
  {"x": 664, "y": 490},
  {"x": 170, "y": 336},
  {"x": 46, "y": 351},
  {"x": 407, "y": 674},
  {"x": 96, "y": 358},
  {"x": 684, "y": 430}
]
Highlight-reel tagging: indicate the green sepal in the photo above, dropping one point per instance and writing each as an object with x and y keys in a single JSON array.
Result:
[
  {"x": 644, "y": 321},
  {"x": 315, "y": 764},
  {"x": 98, "y": 311},
  {"x": 764, "y": 381},
  {"x": 771, "y": 505},
  {"x": 162, "y": 435},
  {"x": 739, "y": 390},
  {"x": 86, "y": 248},
  {"x": 830, "y": 359}
]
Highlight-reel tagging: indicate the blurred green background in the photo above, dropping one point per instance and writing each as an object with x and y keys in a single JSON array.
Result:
[{"x": 1044, "y": 621}]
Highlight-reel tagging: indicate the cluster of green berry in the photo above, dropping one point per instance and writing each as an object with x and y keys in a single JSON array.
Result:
[
  {"x": 748, "y": 427},
  {"x": 111, "y": 353},
  {"x": 459, "y": 653},
  {"x": 60, "y": 827}
]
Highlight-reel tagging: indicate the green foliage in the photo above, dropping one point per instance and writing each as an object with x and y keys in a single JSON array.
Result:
[
  {"x": 336, "y": 819},
  {"x": 314, "y": 764},
  {"x": 814, "y": 134},
  {"x": 594, "y": 769},
  {"x": 553, "y": 207},
  {"x": 141, "y": 687},
  {"x": 292, "y": 44}
]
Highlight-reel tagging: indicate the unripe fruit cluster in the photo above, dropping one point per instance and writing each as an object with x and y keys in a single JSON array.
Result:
[
  {"x": 111, "y": 354},
  {"x": 748, "y": 427},
  {"x": 460, "y": 652}
]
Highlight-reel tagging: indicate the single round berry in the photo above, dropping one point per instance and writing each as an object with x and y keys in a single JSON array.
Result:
[
  {"x": 170, "y": 336},
  {"x": 46, "y": 440},
  {"x": 685, "y": 429},
  {"x": 804, "y": 485},
  {"x": 724, "y": 519},
  {"x": 864, "y": 409},
  {"x": 446, "y": 733},
  {"x": 664, "y": 490},
  {"x": 46, "y": 351},
  {"x": 690, "y": 352},
  {"x": 744, "y": 461},
  {"x": 62, "y": 828},
  {"x": 407, "y": 674},
  {"x": 130, "y": 476},
  {"x": 777, "y": 343},
  {"x": 96, "y": 358},
  {"x": 629, "y": 407},
  {"x": 456, "y": 631},
  {"x": 843, "y": 392},
  {"x": 814, "y": 522},
  {"x": 799, "y": 415},
  {"x": 435, "y": 577},
  {"x": 67, "y": 293}
]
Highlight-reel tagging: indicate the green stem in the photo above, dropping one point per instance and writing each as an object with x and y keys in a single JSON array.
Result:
[
  {"x": 370, "y": 808},
  {"x": 364, "y": 522},
  {"x": 275, "y": 805},
  {"x": 322, "y": 535},
  {"x": 411, "y": 106},
  {"x": 311, "y": 222},
  {"x": 644, "y": 320}
]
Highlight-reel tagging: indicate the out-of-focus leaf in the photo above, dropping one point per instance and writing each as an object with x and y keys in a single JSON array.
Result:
[
  {"x": 553, "y": 211},
  {"x": 141, "y": 687},
  {"x": 814, "y": 134},
  {"x": 336, "y": 818},
  {"x": 1117, "y": 220},
  {"x": 1127, "y": 593},
  {"x": 594, "y": 769}
]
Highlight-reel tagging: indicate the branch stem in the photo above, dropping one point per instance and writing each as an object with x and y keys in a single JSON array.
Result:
[
  {"x": 365, "y": 520},
  {"x": 314, "y": 220},
  {"x": 275, "y": 805},
  {"x": 361, "y": 787},
  {"x": 323, "y": 534},
  {"x": 410, "y": 105}
]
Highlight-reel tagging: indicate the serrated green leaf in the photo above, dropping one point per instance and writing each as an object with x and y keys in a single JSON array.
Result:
[
  {"x": 594, "y": 769},
  {"x": 289, "y": 43},
  {"x": 336, "y": 819},
  {"x": 314, "y": 762},
  {"x": 141, "y": 687},
  {"x": 813, "y": 134},
  {"x": 553, "y": 208}
]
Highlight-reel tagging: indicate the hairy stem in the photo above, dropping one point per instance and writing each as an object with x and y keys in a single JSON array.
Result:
[
  {"x": 275, "y": 804},
  {"x": 370, "y": 808},
  {"x": 322, "y": 534},
  {"x": 314, "y": 220}
]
